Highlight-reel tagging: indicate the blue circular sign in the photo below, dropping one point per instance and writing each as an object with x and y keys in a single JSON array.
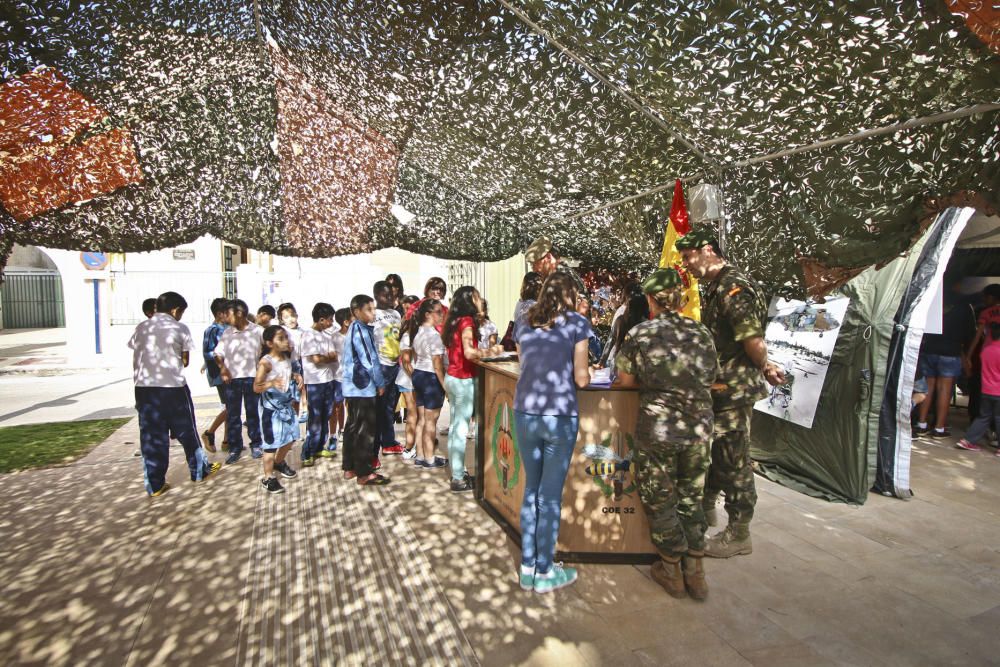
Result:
[{"x": 95, "y": 261}]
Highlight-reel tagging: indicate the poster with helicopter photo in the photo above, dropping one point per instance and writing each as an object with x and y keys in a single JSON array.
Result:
[{"x": 800, "y": 337}]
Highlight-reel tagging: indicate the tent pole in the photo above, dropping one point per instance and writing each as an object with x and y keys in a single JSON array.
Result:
[
  {"x": 976, "y": 110},
  {"x": 632, "y": 101}
]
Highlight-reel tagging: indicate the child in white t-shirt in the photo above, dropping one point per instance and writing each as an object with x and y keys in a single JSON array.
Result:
[
  {"x": 425, "y": 364},
  {"x": 278, "y": 386},
  {"x": 487, "y": 330},
  {"x": 288, "y": 318},
  {"x": 343, "y": 318},
  {"x": 319, "y": 364},
  {"x": 236, "y": 354},
  {"x": 161, "y": 348}
]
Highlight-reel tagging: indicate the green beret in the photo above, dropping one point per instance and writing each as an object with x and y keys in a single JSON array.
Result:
[
  {"x": 662, "y": 279},
  {"x": 697, "y": 237},
  {"x": 538, "y": 249}
]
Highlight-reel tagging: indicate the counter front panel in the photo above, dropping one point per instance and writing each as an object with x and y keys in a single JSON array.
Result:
[{"x": 602, "y": 516}]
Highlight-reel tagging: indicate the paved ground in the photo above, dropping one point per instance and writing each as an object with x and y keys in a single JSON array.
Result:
[
  {"x": 219, "y": 573},
  {"x": 40, "y": 382}
]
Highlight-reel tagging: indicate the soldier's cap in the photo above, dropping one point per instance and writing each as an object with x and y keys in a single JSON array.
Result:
[
  {"x": 697, "y": 237},
  {"x": 538, "y": 249},
  {"x": 662, "y": 279}
]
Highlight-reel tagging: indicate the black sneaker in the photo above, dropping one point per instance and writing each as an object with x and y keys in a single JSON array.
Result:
[
  {"x": 233, "y": 458},
  {"x": 272, "y": 485},
  {"x": 465, "y": 484},
  {"x": 943, "y": 433},
  {"x": 285, "y": 470}
]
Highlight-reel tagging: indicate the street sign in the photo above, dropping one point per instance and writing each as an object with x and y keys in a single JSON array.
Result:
[{"x": 94, "y": 261}]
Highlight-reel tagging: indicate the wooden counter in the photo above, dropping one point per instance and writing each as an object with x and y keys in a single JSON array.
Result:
[{"x": 602, "y": 517}]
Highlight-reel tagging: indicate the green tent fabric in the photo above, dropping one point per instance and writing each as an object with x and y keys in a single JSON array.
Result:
[
  {"x": 836, "y": 459},
  {"x": 494, "y": 122}
]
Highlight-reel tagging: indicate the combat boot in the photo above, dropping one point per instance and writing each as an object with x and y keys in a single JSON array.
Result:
[
  {"x": 667, "y": 573},
  {"x": 711, "y": 513},
  {"x": 726, "y": 544},
  {"x": 694, "y": 576}
]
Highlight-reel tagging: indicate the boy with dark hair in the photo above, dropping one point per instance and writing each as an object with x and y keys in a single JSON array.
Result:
[
  {"x": 161, "y": 348},
  {"x": 344, "y": 318},
  {"x": 237, "y": 354},
  {"x": 265, "y": 314},
  {"x": 387, "y": 325},
  {"x": 318, "y": 364},
  {"x": 149, "y": 307},
  {"x": 363, "y": 382},
  {"x": 220, "y": 311}
]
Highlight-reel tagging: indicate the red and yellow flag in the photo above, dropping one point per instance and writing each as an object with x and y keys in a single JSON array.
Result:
[{"x": 677, "y": 226}]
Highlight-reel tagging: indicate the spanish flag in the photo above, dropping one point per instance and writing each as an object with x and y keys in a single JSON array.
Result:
[{"x": 677, "y": 226}]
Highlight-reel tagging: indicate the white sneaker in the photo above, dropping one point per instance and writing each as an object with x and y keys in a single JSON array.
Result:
[{"x": 410, "y": 455}]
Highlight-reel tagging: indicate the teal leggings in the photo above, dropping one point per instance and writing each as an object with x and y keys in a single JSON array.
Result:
[{"x": 461, "y": 398}]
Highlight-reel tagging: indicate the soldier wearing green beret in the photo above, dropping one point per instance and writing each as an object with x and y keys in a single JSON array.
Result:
[
  {"x": 734, "y": 310},
  {"x": 672, "y": 360}
]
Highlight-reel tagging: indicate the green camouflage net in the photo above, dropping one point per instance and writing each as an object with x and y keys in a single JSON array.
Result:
[{"x": 294, "y": 126}]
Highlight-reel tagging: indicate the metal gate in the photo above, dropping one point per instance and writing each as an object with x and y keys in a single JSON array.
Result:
[
  {"x": 32, "y": 300},
  {"x": 466, "y": 273}
]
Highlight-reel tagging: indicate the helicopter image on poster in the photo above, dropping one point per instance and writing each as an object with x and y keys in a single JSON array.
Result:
[
  {"x": 610, "y": 463},
  {"x": 801, "y": 337},
  {"x": 808, "y": 318}
]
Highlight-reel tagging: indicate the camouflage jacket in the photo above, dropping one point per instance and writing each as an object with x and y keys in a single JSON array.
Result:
[
  {"x": 674, "y": 361},
  {"x": 571, "y": 272},
  {"x": 733, "y": 309}
]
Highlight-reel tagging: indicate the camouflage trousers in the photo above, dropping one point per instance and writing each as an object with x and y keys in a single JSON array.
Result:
[
  {"x": 671, "y": 480},
  {"x": 730, "y": 472}
]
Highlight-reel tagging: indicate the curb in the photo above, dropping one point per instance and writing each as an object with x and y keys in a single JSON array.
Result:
[{"x": 48, "y": 371}]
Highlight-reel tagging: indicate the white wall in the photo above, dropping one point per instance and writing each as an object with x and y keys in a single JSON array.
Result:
[
  {"x": 335, "y": 280},
  {"x": 302, "y": 281}
]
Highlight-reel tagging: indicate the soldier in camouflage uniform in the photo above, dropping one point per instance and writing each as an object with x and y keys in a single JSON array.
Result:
[
  {"x": 672, "y": 360},
  {"x": 734, "y": 310},
  {"x": 545, "y": 260}
]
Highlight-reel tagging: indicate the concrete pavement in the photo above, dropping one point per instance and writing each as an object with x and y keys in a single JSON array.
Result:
[{"x": 40, "y": 382}]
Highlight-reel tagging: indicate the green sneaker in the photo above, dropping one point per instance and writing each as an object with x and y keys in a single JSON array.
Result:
[
  {"x": 527, "y": 579},
  {"x": 556, "y": 578},
  {"x": 309, "y": 462},
  {"x": 327, "y": 453}
]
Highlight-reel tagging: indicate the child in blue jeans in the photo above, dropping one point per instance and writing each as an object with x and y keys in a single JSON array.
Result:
[
  {"x": 363, "y": 382},
  {"x": 552, "y": 345}
]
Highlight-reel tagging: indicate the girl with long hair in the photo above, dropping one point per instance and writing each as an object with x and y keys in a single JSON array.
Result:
[
  {"x": 636, "y": 311},
  {"x": 405, "y": 384},
  {"x": 461, "y": 337},
  {"x": 530, "y": 286},
  {"x": 278, "y": 387},
  {"x": 552, "y": 350},
  {"x": 424, "y": 362}
]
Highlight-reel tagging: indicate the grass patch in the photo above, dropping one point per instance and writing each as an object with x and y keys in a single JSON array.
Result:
[{"x": 40, "y": 445}]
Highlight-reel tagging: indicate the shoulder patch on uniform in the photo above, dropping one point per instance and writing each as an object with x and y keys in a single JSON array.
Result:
[{"x": 734, "y": 291}]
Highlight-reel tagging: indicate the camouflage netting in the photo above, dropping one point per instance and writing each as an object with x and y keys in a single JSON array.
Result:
[{"x": 294, "y": 126}]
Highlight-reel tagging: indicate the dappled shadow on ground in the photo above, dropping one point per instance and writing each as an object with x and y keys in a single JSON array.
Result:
[{"x": 219, "y": 573}]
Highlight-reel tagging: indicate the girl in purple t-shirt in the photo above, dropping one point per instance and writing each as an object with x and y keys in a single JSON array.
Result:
[{"x": 552, "y": 348}]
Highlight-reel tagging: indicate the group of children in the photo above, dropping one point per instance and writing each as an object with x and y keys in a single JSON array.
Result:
[{"x": 346, "y": 373}]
